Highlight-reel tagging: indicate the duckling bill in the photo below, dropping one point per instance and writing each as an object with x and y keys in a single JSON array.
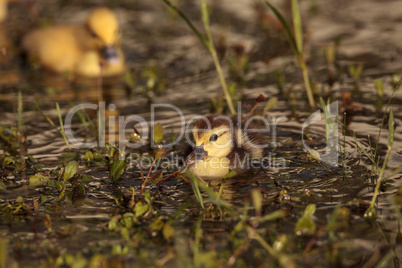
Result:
[
  {"x": 88, "y": 50},
  {"x": 223, "y": 144}
]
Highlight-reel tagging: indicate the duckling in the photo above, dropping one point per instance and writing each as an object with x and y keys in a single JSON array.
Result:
[
  {"x": 3, "y": 10},
  {"x": 222, "y": 144},
  {"x": 88, "y": 50}
]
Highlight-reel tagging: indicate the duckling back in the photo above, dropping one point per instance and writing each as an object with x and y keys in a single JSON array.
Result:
[
  {"x": 58, "y": 48},
  {"x": 79, "y": 49},
  {"x": 3, "y": 10}
]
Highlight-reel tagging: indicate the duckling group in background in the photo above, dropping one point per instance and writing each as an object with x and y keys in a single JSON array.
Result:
[
  {"x": 223, "y": 144},
  {"x": 88, "y": 50}
]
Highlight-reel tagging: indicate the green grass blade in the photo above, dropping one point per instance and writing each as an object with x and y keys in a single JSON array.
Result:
[
  {"x": 214, "y": 198},
  {"x": 207, "y": 41},
  {"x": 296, "y": 45},
  {"x": 200, "y": 36},
  {"x": 390, "y": 141},
  {"x": 212, "y": 50},
  {"x": 368, "y": 155},
  {"x": 391, "y": 128},
  {"x": 81, "y": 116},
  {"x": 383, "y": 119},
  {"x": 297, "y": 25},
  {"x": 62, "y": 132},
  {"x": 279, "y": 214},
  {"x": 196, "y": 188},
  {"x": 91, "y": 126},
  {"x": 286, "y": 28},
  {"x": 47, "y": 118}
]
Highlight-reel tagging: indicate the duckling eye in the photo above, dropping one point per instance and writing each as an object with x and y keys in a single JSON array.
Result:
[
  {"x": 213, "y": 137},
  {"x": 94, "y": 35}
]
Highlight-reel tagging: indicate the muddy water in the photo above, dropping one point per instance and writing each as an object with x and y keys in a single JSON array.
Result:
[{"x": 158, "y": 44}]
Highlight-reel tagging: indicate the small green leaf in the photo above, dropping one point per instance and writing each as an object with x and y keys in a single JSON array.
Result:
[
  {"x": 125, "y": 233},
  {"x": 62, "y": 195},
  {"x": 140, "y": 209},
  {"x": 70, "y": 170},
  {"x": 38, "y": 179},
  {"x": 60, "y": 186},
  {"x": 379, "y": 86},
  {"x": 130, "y": 81},
  {"x": 89, "y": 156},
  {"x": 272, "y": 216},
  {"x": 256, "y": 197},
  {"x": 8, "y": 161},
  {"x": 19, "y": 200},
  {"x": 270, "y": 104},
  {"x": 158, "y": 133},
  {"x": 305, "y": 226},
  {"x": 314, "y": 154},
  {"x": 168, "y": 231},
  {"x": 98, "y": 261},
  {"x": 396, "y": 80},
  {"x": 310, "y": 210},
  {"x": 117, "y": 169},
  {"x": 43, "y": 199},
  {"x": 156, "y": 225},
  {"x": 280, "y": 243},
  {"x": 112, "y": 225}
]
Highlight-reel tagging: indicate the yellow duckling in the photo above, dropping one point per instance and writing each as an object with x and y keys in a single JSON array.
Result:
[
  {"x": 3, "y": 10},
  {"x": 88, "y": 50},
  {"x": 224, "y": 143}
]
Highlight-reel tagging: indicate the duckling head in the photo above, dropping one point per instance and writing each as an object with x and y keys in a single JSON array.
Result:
[
  {"x": 103, "y": 26},
  {"x": 212, "y": 139}
]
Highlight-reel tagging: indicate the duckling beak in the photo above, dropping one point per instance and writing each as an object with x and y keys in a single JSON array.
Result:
[
  {"x": 196, "y": 155},
  {"x": 109, "y": 53}
]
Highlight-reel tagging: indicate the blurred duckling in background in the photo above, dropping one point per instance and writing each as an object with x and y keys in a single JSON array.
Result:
[
  {"x": 222, "y": 144},
  {"x": 88, "y": 50},
  {"x": 3, "y": 10}
]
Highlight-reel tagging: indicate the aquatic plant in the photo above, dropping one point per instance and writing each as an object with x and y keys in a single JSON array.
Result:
[
  {"x": 296, "y": 43},
  {"x": 208, "y": 43}
]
